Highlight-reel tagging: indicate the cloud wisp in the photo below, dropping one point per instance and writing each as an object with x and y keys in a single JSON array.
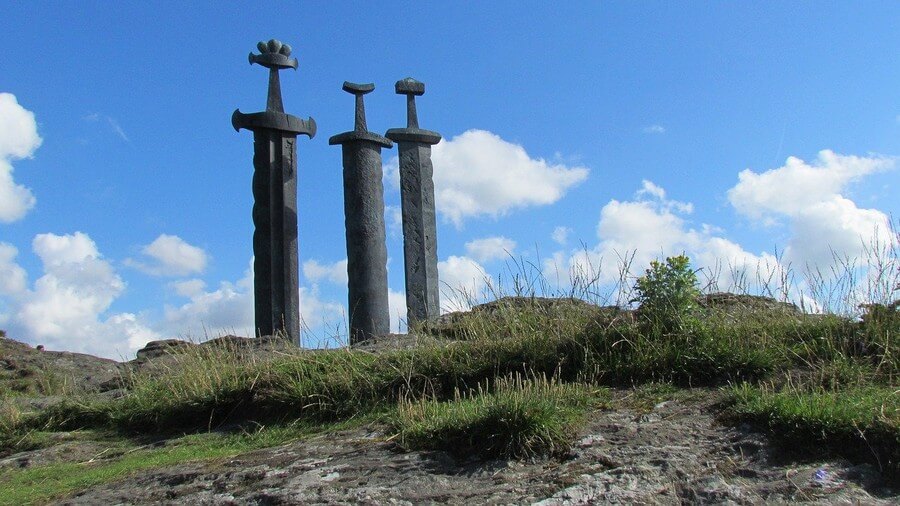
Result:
[{"x": 111, "y": 122}]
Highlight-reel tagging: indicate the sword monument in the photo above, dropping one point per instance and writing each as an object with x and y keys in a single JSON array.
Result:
[
  {"x": 417, "y": 206},
  {"x": 275, "y": 267}
]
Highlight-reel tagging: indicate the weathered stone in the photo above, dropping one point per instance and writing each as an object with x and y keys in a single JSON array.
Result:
[
  {"x": 417, "y": 206},
  {"x": 276, "y": 285},
  {"x": 684, "y": 456},
  {"x": 364, "y": 223}
]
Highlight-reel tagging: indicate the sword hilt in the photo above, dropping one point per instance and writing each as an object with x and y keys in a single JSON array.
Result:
[
  {"x": 411, "y": 88},
  {"x": 359, "y": 90},
  {"x": 275, "y": 56}
]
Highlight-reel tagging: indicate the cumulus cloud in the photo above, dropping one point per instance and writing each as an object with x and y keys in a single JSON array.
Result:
[
  {"x": 13, "y": 279},
  {"x": 809, "y": 197},
  {"x": 634, "y": 232},
  {"x": 797, "y": 185},
  {"x": 335, "y": 273},
  {"x": 462, "y": 282},
  {"x": 170, "y": 255},
  {"x": 18, "y": 139},
  {"x": 66, "y": 308},
  {"x": 490, "y": 248},
  {"x": 655, "y": 129},
  {"x": 227, "y": 309},
  {"x": 479, "y": 174}
]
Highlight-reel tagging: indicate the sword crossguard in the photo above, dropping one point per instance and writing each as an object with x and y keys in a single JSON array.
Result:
[{"x": 275, "y": 56}]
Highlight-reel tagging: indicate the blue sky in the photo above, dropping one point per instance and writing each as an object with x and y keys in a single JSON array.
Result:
[{"x": 743, "y": 134}]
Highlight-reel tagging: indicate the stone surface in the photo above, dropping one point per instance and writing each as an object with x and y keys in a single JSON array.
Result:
[
  {"x": 276, "y": 264},
  {"x": 417, "y": 207},
  {"x": 364, "y": 223},
  {"x": 680, "y": 455}
]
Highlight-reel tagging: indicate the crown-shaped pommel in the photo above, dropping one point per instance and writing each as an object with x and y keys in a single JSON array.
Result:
[{"x": 274, "y": 55}]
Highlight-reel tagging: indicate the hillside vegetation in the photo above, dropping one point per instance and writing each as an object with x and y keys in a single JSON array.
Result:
[{"x": 512, "y": 378}]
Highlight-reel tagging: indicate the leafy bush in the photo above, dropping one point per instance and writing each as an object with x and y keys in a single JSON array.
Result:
[{"x": 667, "y": 294}]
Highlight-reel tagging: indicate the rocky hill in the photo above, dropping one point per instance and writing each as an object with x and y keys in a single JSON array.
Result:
[{"x": 647, "y": 444}]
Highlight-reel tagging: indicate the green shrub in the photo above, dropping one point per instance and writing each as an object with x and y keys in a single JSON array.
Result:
[{"x": 667, "y": 294}]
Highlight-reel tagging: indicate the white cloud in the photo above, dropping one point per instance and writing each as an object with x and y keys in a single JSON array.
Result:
[
  {"x": 15, "y": 199},
  {"x": 810, "y": 197},
  {"x": 18, "y": 139},
  {"x": 393, "y": 215},
  {"x": 113, "y": 124},
  {"x": 188, "y": 287},
  {"x": 835, "y": 228},
  {"x": 649, "y": 188},
  {"x": 18, "y": 129},
  {"x": 651, "y": 227},
  {"x": 55, "y": 250},
  {"x": 477, "y": 173},
  {"x": 65, "y": 308},
  {"x": 171, "y": 256},
  {"x": 655, "y": 129},
  {"x": 560, "y": 235},
  {"x": 335, "y": 273},
  {"x": 490, "y": 248},
  {"x": 227, "y": 309},
  {"x": 76, "y": 288},
  {"x": 462, "y": 282},
  {"x": 117, "y": 129},
  {"x": 13, "y": 279},
  {"x": 68, "y": 306},
  {"x": 317, "y": 312},
  {"x": 794, "y": 187},
  {"x": 397, "y": 305}
]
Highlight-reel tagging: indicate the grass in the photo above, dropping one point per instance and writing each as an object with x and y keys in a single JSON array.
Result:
[
  {"x": 519, "y": 377},
  {"x": 511, "y": 418},
  {"x": 123, "y": 458},
  {"x": 859, "y": 422}
]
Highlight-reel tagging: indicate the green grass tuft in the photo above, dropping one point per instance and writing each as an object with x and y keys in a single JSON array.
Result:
[
  {"x": 860, "y": 422},
  {"x": 512, "y": 417}
]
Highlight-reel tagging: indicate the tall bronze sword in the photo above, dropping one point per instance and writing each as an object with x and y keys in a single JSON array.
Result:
[{"x": 275, "y": 267}]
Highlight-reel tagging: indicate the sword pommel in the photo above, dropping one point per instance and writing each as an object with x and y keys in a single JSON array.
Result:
[{"x": 274, "y": 55}]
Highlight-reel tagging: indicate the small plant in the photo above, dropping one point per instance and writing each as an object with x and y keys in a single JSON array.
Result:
[{"x": 667, "y": 294}]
